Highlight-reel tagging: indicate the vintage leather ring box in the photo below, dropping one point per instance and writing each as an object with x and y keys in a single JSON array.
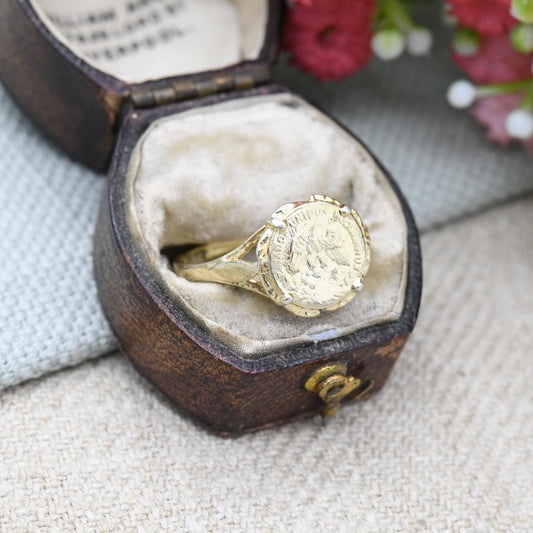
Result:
[{"x": 205, "y": 149}]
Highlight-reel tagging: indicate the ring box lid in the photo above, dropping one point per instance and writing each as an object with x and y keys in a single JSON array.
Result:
[{"x": 75, "y": 67}]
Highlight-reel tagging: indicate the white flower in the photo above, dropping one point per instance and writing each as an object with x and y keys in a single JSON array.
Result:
[
  {"x": 447, "y": 18},
  {"x": 388, "y": 44},
  {"x": 522, "y": 10},
  {"x": 419, "y": 41},
  {"x": 466, "y": 42},
  {"x": 461, "y": 94},
  {"x": 522, "y": 38},
  {"x": 519, "y": 124}
]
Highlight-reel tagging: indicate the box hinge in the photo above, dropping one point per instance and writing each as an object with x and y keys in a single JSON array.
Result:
[{"x": 189, "y": 89}]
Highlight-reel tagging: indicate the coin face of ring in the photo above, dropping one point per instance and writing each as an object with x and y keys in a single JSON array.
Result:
[{"x": 313, "y": 255}]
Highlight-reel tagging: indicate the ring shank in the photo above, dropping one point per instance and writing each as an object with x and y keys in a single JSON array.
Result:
[
  {"x": 213, "y": 262},
  {"x": 207, "y": 252}
]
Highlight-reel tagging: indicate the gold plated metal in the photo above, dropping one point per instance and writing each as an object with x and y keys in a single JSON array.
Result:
[
  {"x": 187, "y": 89},
  {"x": 312, "y": 256},
  {"x": 334, "y": 387}
]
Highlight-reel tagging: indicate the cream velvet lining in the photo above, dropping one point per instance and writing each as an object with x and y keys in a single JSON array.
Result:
[
  {"x": 141, "y": 40},
  {"x": 219, "y": 172}
]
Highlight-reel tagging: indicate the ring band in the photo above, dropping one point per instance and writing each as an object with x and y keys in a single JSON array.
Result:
[{"x": 312, "y": 256}]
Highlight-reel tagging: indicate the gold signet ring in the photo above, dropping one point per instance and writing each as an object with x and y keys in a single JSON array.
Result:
[{"x": 312, "y": 256}]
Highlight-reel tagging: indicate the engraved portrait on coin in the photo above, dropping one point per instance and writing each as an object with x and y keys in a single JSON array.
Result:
[{"x": 319, "y": 257}]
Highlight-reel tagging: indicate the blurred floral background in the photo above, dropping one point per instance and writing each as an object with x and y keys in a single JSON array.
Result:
[{"x": 491, "y": 41}]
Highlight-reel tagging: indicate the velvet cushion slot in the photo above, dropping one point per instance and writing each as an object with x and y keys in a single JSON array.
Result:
[{"x": 218, "y": 172}]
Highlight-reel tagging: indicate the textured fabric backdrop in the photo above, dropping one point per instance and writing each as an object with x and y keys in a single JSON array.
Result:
[
  {"x": 49, "y": 314},
  {"x": 446, "y": 446}
]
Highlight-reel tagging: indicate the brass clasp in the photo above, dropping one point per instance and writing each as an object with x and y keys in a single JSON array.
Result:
[{"x": 334, "y": 387}]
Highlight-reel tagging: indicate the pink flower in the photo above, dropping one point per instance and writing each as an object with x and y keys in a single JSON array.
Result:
[
  {"x": 496, "y": 62},
  {"x": 488, "y": 17},
  {"x": 492, "y": 111},
  {"x": 330, "y": 38}
]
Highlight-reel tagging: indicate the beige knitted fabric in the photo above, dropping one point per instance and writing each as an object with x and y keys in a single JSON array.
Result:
[{"x": 446, "y": 446}]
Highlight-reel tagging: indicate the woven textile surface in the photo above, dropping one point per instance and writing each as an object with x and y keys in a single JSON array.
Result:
[
  {"x": 49, "y": 314},
  {"x": 447, "y": 445}
]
